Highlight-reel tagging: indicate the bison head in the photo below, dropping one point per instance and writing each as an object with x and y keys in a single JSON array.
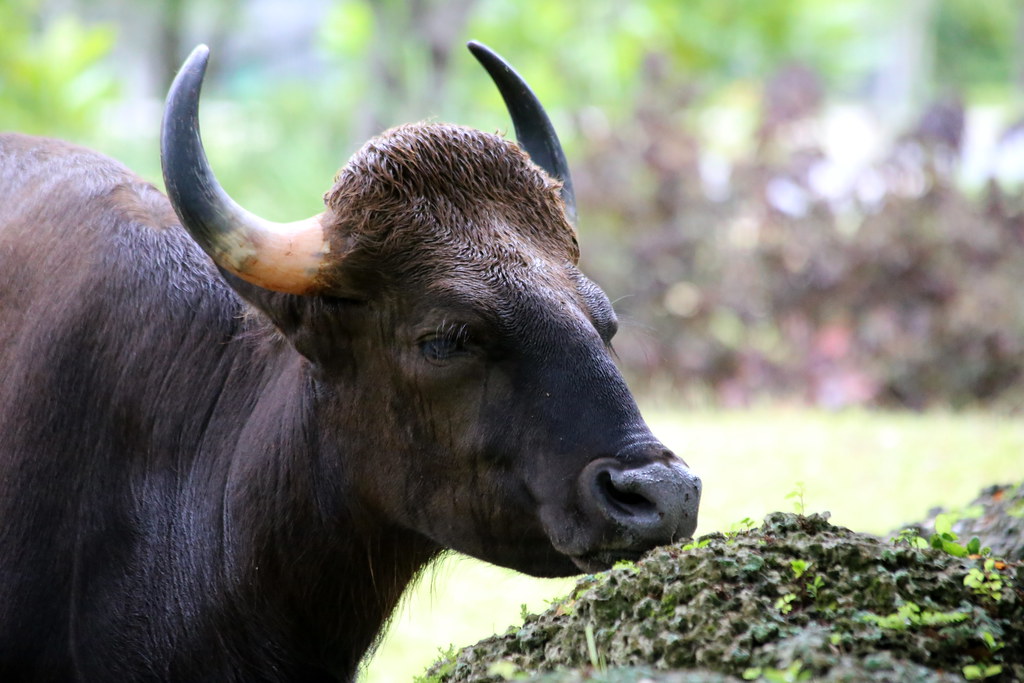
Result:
[{"x": 459, "y": 363}]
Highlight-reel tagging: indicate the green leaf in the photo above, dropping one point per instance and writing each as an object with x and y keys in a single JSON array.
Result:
[{"x": 944, "y": 524}]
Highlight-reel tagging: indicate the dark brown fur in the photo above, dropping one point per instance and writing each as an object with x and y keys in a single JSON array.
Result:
[{"x": 431, "y": 197}]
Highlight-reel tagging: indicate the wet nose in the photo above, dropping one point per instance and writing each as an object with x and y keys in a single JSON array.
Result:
[{"x": 650, "y": 501}]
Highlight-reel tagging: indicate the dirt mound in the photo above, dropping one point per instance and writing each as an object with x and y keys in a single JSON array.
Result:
[{"x": 797, "y": 599}]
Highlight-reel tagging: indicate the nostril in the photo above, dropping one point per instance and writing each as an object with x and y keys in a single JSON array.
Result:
[
  {"x": 628, "y": 502},
  {"x": 639, "y": 505}
]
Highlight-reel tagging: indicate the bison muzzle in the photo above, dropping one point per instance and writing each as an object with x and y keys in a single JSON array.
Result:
[{"x": 227, "y": 445}]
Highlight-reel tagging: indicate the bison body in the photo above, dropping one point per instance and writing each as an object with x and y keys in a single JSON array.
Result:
[{"x": 206, "y": 474}]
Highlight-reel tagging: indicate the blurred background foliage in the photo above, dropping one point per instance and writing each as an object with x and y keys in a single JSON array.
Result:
[{"x": 790, "y": 200}]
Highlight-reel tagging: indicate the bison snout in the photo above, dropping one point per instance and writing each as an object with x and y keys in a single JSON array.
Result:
[{"x": 647, "y": 505}]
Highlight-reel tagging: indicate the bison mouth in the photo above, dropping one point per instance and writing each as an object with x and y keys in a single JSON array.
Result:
[
  {"x": 594, "y": 545},
  {"x": 592, "y": 563},
  {"x": 599, "y": 561}
]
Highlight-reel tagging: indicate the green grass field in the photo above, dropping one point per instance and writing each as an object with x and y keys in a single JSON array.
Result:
[{"x": 872, "y": 471}]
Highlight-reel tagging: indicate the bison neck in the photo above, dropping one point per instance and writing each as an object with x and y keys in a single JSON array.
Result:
[
  {"x": 188, "y": 520},
  {"x": 312, "y": 574}
]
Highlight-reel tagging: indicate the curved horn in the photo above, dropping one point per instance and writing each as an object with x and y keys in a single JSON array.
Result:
[
  {"x": 283, "y": 257},
  {"x": 534, "y": 131}
]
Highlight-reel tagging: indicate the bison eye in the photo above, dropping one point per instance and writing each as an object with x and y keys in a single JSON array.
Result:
[{"x": 446, "y": 343}]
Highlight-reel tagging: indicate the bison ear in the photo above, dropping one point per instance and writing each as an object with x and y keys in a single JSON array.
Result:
[
  {"x": 318, "y": 327},
  {"x": 292, "y": 312},
  {"x": 286, "y": 311}
]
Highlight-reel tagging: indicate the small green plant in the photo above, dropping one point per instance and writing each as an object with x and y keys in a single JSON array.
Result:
[
  {"x": 909, "y": 537},
  {"x": 785, "y": 603},
  {"x": 986, "y": 582},
  {"x": 797, "y": 494},
  {"x": 974, "y": 547},
  {"x": 991, "y": 643},
  {"x": 791, "y": 674},
  {"x": 979, "y": 672},
  {"x": 626, "y": 565},
  {"x": 596, "y": 661},
  {"x": 693, "y": 545},
  {"x": 944, "y": 539},
  {"x": 745, "y": 524},
  {"x": 910, "y": 614},
  {"x": 799, "y": 567},
  {"x": 448, "y": 657}
]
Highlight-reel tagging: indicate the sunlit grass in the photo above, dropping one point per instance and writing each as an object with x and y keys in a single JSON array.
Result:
[{"x": 872, "y": 471}]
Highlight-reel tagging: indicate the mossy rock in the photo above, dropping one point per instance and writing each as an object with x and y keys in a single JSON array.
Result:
[{"x": 796, "y": 599}]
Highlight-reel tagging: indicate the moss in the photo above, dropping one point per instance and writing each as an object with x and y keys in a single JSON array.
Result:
[{"x": 796, "y": 599}]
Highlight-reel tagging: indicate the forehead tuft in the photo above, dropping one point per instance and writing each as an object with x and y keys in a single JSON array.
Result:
[{"x": 440, "y": 183}]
